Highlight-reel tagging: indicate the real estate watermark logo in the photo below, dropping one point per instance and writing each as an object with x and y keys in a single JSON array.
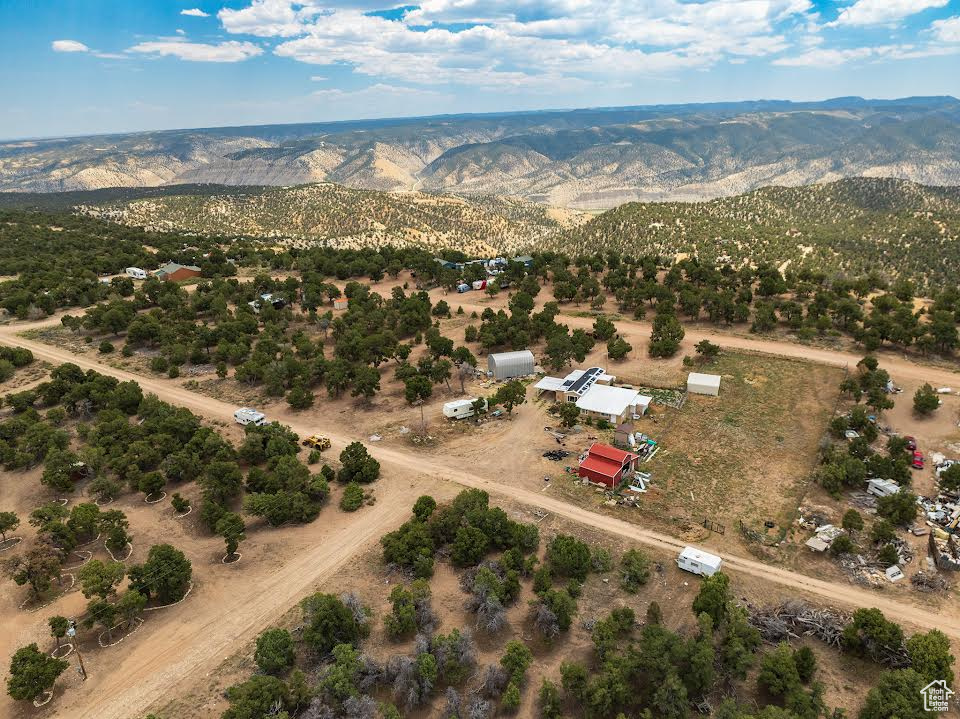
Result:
[{"x": 936, "y": 696}]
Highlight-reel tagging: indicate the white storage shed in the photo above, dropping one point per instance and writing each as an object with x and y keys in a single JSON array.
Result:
[
  {"x": 504, "y": 365},
  {"x": 699, "y": 562},
  {"x": 698, "y": 383}
]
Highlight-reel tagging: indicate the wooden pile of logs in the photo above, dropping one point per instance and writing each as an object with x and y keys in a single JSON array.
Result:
[{"x": 795, "y": 619}]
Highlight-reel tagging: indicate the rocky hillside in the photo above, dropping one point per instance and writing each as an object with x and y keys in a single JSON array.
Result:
[
  {"x": 580, "y": 159},
  {"x": 849, "y": 227},
  {"x": 347, "y": 218}
]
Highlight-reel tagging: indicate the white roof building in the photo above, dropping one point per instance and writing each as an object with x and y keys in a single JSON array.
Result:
[
  {"x": 699, "y": 383},
  {"x": 591, "y": 391},
  {"x": 613, "y": 401}
]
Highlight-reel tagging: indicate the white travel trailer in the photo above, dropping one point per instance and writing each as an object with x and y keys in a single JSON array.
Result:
[
  {"x": 882, "y": 487},
  {"x": 699, "y": 562},
  {"x": 460, "y": 408},
  {"x": 246, "y": 416},
  {"x": 136, "y": 273}
]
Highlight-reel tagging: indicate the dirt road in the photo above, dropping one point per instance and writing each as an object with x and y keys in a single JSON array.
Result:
[{"x": 638, "y": 332}]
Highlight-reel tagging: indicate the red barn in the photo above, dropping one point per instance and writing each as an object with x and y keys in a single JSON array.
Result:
[{"x": 607, "y": 465}]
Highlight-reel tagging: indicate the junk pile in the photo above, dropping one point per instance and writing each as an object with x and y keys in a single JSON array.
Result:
[
  {"x": 639, "y": 483},
  {"x": 556, "y": 455},
  {"x": 944, "y": 550},
  {"x": 824, "y": 537},
  {"x": 861, "y": 572},
  {"x": 645, "y": 446},
  {"x": 863, "y": 500},
  {"x": 929, "y": 582},
  {"x": 943, "y": 512}
]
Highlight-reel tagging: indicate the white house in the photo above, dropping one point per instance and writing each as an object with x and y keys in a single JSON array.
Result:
[
  {"x": 591, "y": 391},
  {"x": 698, "y": 383}
]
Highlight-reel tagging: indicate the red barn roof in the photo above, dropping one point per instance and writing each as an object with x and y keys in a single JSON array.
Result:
[{"x": 606, "y": 460}]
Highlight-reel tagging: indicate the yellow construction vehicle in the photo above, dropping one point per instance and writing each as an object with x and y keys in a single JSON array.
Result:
[{"x": 317, "y": 441}]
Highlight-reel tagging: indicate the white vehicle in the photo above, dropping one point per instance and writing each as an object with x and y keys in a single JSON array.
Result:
[
  {"x": 699, "y": 562},
  {"x": 882, "y": 487},
  {"x": 136, "y": 273},
  {"x": 460, "y": 408},
  {"x": 246, "y": 416}
]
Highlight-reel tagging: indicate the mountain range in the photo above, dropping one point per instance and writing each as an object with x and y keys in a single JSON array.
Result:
[{"x": 581, "y": 159}]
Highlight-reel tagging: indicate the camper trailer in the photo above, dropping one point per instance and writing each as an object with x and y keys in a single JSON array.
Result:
[
  {"x": 699, "y": 562},
  {"x": 136, "y": 273},
  {"x": 882, "y": 487},
  {"x": 460, "y": 408},
  {"x": 246, "y": 416}
]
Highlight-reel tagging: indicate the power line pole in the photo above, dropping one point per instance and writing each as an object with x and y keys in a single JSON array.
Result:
[{"x": 72, "y": 633}]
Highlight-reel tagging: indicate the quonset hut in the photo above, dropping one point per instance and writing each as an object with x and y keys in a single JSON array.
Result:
[{"x": 504, "y": 365}]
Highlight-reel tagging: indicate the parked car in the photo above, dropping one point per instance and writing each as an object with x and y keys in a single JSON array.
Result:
[
  {"x": 246, "y": 416},
  {"x": 911, "y": 444},
  {"x": 917, "y": 462}
]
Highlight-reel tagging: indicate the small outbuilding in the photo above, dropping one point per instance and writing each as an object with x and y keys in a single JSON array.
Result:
[
  {"x": 505, "y": 365},
  {"x": 607, "y": 465},
  {"x": 699, "y": 383},
  {"x": 341, "y": 303},
  {"x": 173, "y": 272}
]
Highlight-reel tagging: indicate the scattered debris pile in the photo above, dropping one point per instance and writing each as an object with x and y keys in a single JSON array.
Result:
[
  {"x": 794, "y": 619},
  {"x": 861, "y": 572},
  {"x": 940, "y": 512},
  {"x": 943, "y": 549},
  {"x": 556, "y": 455},
  {"x": 929, "y": 582},
  {"x": 824, "y": 537}
]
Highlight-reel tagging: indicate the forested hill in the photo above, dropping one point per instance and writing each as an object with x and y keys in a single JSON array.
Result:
[
  {"x": 848, "y": 227},
  {"x": 347, "y": 218}
]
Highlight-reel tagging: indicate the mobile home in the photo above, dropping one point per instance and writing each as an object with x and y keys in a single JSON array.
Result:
[{"x": 699, "y": 562}]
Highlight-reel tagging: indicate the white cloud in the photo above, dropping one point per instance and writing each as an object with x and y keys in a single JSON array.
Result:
[
  {"x": 947, "y": 30},
  {"x": 180, "y": 31},
  {"x": 827, "y": 57},
  {"x": 229, "y": 51},
  {"x": 318, "y": 78},
  {"x": 195, "y": 12},
  {"x": 268, "y": 18},
  {"x": 378, "y": 91},
  {"x": 69, "y": 46},
  {"x": 882, "y": 12}
]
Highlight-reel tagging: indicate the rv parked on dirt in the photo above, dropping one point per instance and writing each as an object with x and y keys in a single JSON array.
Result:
[
  {"x": 460, "y": 408},
  {"x": 136, "y": 273},
  {"x": 699, "y": 562}
]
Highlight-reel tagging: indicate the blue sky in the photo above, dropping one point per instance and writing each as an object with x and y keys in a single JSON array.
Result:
[{"x": 92, "y": 66}]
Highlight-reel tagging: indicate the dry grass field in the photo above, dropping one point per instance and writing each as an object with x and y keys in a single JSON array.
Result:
[{"x": 747, "y": 454}]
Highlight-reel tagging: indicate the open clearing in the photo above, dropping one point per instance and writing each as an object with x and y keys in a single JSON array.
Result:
[{"x": 748, "y": 454}]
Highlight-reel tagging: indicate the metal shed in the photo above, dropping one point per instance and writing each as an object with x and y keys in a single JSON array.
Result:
[
  {"x": 698, "y": 383},
  {"x": 504, "y": 365}
]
